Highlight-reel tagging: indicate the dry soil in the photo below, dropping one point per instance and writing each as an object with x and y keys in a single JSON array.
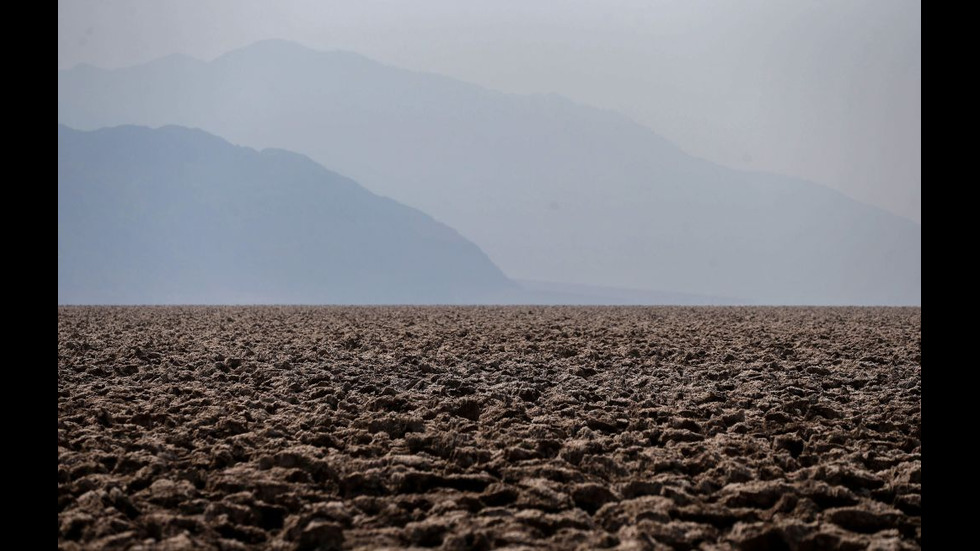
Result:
[{"x": 485, "y": 428}]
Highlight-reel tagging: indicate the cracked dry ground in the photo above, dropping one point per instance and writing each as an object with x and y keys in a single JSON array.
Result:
[{"x": 488, "y": 427}]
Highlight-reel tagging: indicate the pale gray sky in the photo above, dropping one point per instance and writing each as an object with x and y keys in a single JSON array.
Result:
[{"x": 825, "y": 90}]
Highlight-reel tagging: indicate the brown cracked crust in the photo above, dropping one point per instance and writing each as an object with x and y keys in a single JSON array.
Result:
[{"x": 488, "y": 427}]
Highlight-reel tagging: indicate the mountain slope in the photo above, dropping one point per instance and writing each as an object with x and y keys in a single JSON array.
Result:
[
  {"x": 551, "y": 190},
  {"x": 175, "y": 215}
]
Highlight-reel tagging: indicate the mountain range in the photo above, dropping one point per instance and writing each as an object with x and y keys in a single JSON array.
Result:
[
  {"x": 178, "y": 216},
  {"x": 551, "y": 190}
]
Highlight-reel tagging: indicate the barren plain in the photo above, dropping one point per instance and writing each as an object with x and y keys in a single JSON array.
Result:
[{"x": 298, "y": 428}]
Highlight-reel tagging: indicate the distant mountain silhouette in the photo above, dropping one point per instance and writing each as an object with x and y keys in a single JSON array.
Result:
[
  {"x": 551, "y": 190},
  {"x": 176, "y": 215}
]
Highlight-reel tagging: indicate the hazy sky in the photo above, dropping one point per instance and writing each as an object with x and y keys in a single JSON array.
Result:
[{"x": 826, "y": 90}]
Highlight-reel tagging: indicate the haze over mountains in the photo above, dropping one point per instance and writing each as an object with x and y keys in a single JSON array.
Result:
[
  {"x": 550, "y": 190},
  {"x": 178, "y": 216}
]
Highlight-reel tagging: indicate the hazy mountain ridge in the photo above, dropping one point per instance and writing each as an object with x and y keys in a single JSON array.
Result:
[
  {"x": 550, "y": 189},
  {"x": 176, "y": 215}
]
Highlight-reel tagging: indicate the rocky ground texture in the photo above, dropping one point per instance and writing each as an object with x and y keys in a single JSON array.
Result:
[{"x": 300, "y": 428}]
